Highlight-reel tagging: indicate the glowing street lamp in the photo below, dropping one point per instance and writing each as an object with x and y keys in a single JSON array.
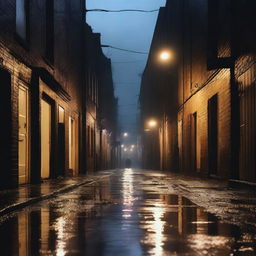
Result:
[
  {"x": 122, "y": 145},
  {"x": 165, "y": 56},
  {"x": 152, "y": 123},
  {"x": 125, "y": 134}
]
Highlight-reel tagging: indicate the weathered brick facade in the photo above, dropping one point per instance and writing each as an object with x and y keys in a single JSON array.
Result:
[
  {"x": 43, "y": 52},
  {"x": 211, "y": 76},
  {"x": 101, "y": 107},
  {"x": 59, "y": 79}
]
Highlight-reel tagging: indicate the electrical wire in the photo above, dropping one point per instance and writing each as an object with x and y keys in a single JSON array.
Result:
[
  {"x": 135, "y": 61},
  {"x": 127, "y": 10},
  {"x": 125, "y": 50},
  {"x": 126, "y": 83},
  {"x": 130, "y": 104}
]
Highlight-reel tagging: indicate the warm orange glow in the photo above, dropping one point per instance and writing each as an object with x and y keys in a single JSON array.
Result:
[
  {"x": 128, "y": 190},
  {"x": 152, "y": 123},
  {"x": 61, "y": 243},
  {"x": 165, "y": 55}
]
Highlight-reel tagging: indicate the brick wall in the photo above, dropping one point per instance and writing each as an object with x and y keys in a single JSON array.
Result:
[
  {"x": 22, "y": 58},
  {"x": 188, "y": 84},
  {"x": 18, "y": 72},
  {"x": 197, "y": 85},
  {"x": 198, "y": 103},
  {"x": 246, "y": 79}
]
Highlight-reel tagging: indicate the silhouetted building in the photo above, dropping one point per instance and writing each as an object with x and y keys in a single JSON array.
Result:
[
  {"x": 110, "y": 146},
  {"x": 101, "y": 107},
  {"x": 209, "y": 82},
  {"x": 158, "y": 99}
]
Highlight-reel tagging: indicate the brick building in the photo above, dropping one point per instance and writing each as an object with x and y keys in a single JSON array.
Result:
[
  {"x": 101, "y": 107},
  {"x": 43, "y": 78},
  {"x": 210, "y": 86},
  {"x": 110, "y": 146},
  {"x": 158, "y": 98}
]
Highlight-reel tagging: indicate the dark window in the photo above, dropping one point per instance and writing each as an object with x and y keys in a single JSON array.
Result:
[
  {"x": 50, "y": 30},
  {"x": 22, "y": 19}
]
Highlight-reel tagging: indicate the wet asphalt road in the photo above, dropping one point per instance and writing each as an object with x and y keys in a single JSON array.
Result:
[{"x": 127, "y": 213}]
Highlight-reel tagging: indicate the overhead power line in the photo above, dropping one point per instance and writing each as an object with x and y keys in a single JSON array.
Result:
[
  {"x": 127, "y": 10},
  {"x": 126, "y": 83},
  {"x": 135, "y": 61},
  {"x": 127, "y": 105},
  {"x": 125, "y": 50}
]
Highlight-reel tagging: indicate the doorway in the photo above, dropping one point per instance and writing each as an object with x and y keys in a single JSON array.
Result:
[
  {"x": 23, "y": 135},
  {"x": 46, "y": 113},
  {"x": 61, "y": 141},
  {"x": 213, "y": 134},
  {"x": 193, "y": 153},
  {"x": 72, "y": 146}
]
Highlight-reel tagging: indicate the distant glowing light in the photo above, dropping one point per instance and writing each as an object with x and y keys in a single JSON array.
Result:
[
  {"x": 133, "y": 146},
  {"x": 122, "y": 145},
  {"x": 125, "y": 149},
  {"x": 152, "y": 123},
  {"x": 165, "y": 55},
  {"x": 125, "y": 134}
]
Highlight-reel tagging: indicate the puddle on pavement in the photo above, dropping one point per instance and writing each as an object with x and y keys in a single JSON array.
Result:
[{"x": 119, "y": 217}]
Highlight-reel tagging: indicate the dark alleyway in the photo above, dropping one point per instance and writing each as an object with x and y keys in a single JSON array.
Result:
[
  {"x": 133, "y": 213},
  {"x": 128, "y": 127}
]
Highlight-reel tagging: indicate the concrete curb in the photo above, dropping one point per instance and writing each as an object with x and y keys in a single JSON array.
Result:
[{"x": 14, "y": 207}]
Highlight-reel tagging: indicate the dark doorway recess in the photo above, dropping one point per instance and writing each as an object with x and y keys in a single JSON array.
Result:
[
  {"x": 61, "y": 149},
  {"x": 213, "y": 135},
  {"x": 194, "y": 142}
]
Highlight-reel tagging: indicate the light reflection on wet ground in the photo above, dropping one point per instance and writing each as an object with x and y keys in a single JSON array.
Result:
[{"x": 126, "y": 214}]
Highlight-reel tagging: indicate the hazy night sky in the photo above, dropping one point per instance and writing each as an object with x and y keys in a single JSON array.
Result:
[{"x": 130, "y": 31}]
